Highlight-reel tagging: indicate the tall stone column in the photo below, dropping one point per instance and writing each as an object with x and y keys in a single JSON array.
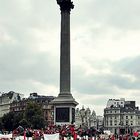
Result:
[
  {"x": 65, "y": 52},
  {"x": 64, "y": 104},
  {"x": 65, "y": 7}
]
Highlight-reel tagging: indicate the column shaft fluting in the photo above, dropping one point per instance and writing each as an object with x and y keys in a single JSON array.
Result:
[{"x": 65, "y": 53}]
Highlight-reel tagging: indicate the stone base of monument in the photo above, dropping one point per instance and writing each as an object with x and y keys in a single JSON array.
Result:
[
  {"x": 64, "y": 115},
  {"x": 64, "y": 109}
]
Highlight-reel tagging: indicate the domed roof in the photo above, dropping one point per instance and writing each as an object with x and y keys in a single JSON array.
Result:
[
  {"x": 93, "y": 113},
  {"x": 88, "y": 110}
]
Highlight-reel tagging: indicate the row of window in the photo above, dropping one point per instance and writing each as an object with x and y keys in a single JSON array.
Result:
[
  {"x": 122, "y": 117},
  {"x": 115, "y": 111},
  {"x": 18, "y": 109},
  {"x": 115, "y": 123}
]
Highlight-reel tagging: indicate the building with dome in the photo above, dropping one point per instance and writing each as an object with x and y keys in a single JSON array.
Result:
[{"x": 87, "y": 118}]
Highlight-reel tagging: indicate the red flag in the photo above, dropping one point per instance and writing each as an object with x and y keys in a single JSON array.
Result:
[
  {"x": 75, "y": 136},
  {"x": 24, "y": 134}
]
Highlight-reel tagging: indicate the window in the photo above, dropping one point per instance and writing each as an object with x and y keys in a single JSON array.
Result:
[
  {"x": 126, "y": 117},
  {"x": 110, "y": 123},
  {"x": 126, "y": 122},
  {"x": 131, "y": 117},
  {"x": 106, "y": 123},
  {"x": 115, "y": 122}
]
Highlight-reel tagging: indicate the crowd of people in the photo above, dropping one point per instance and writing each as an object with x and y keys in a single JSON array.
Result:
[
  {"x": 65, "y": 131},
  {"x": 69, "y": 132}
]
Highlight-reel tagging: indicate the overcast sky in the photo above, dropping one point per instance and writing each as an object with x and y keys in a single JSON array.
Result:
[{"x": 105, "y": 49}]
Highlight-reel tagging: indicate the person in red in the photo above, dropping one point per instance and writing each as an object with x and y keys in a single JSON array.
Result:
[
  {"x": 112, "y": 137},
  {"x": 62, "y": 133},
  {"x": 36, "y": 135},
  {"x": 75, "y": 136},
  {"x": 15, "y": 133},
  {"x": 135, "y": 134},
  {"x": 47, "y": 131},
  {"x": 24, "y": 135},
  {"x": 72, "y": 129}
]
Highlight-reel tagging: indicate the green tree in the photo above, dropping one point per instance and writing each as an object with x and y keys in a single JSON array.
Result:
[
  {"x": 34, "y": 115},
  {"x": 11, "y": 120},
  {"x": 1, "y": 124},
  {"x": 24, "y": 123},
  {"x": 17, "y": 118},
  {"x": 38, "y": 122},
  {"x": 8, "y": 120}
]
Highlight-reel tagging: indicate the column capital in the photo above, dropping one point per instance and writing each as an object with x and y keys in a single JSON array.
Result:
[{"x": 65, "y": 5}]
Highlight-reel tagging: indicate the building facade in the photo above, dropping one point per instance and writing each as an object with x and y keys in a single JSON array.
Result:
[
  {"x": 99, "y": 122},
  {"x": 88, "y": 118},
  {"x": 121, "y": 117},
  {"x": 44, "y": 101},
  {"x": 6, "y": 99}
]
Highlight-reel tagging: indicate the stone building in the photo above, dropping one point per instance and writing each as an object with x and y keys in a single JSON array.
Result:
[
  {"x": 6, "y": 99},
  {"x": 85, "y": 117},
  {"x": 99, "y": 122},
  {"x": 44, "y": 101},
  {"x": 121, "y": 116}
]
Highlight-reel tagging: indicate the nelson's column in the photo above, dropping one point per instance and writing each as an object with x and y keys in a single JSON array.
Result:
[{"x": 64, "y": 104}]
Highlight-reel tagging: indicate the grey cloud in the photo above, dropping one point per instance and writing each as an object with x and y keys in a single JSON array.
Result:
[
  {"x": 129, "y": 65},
  {"x": 92, "y": 84},
  {"x": 19, "y": 59},
  {"x": 118, "y": 14},
  {"x": 20, "y": 63},
  {"x": 29, "y": 11},
  {"x": 98, "y": 101},
  {"x": 107, "y": 84},
  {"x": 124, "y": 82}
]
